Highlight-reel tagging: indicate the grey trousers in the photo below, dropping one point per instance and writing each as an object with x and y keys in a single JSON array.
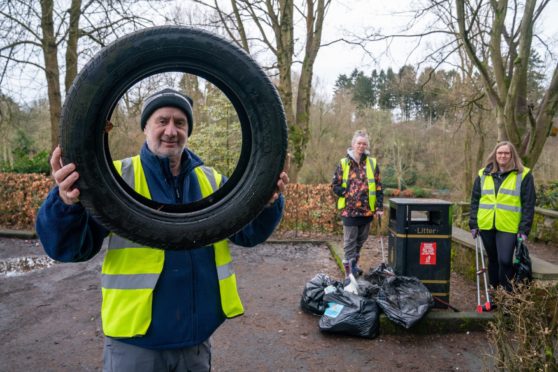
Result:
[
  {"x": 353, "y": 240},
  {"x": 123, "y": 357}
]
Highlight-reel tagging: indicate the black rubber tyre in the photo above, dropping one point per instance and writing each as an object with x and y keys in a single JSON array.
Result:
[{"x": 84, "y": 141}]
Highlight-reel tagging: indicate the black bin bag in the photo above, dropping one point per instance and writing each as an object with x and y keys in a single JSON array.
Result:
[
  {"x": 350, "y": 314},
  {"x": 369, "y": 284},
  {"x": 312, "y": 299},
  {"x": 522, "y": 263},
  {"x": 404, "y": 300}
]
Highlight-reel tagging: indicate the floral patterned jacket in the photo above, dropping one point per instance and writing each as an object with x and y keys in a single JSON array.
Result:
[{"x": 356, "y": 193}]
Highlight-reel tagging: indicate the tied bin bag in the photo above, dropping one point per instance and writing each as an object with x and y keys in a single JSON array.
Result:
[
  {"x": 350, "y": 314},
  {"x": 404, "y": 300},
  {"x": 370, "y": 284}
]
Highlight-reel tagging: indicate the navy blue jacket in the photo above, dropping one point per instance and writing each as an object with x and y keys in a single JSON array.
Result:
[{"x": 186, "y": 301}]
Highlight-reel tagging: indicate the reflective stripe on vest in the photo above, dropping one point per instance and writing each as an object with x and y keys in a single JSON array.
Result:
[
  {"x": 370, "y": 169},
  {"x": 502, "y": 211},
  {"x": 131, "y": 271}
]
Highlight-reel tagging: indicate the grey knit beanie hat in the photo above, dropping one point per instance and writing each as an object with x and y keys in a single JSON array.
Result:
[{"x": 164, "y": 98}]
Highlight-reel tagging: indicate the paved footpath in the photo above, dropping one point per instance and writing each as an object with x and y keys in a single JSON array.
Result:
[{"x": 49, "y": 321}]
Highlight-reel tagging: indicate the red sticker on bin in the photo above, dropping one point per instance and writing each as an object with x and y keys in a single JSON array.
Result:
[{"x": 427, "y": 253}]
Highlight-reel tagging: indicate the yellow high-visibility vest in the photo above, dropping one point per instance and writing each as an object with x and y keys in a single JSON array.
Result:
[
  {"x": 370, "y": 170},
  {"x": 502, "y": 211},
  {"x": 130, "y": 271}
]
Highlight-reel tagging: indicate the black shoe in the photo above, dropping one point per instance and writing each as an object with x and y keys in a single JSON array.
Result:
[{"x": 357, "y": 271}]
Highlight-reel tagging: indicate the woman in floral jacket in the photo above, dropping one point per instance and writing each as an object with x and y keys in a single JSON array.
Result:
[{"x": 358, "y": 185}]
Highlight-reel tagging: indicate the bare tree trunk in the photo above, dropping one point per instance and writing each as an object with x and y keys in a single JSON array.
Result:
[
  {"x": 278, "y": 16},
  {"x": 7, "y": 153},
  {"x": 515, "y": 103},
  {"x": 59, "y": 26},
  {"x": 398, "y": 163},
  {"x": 480, "y": 152},
  {"x": 52, "y": 71},
  {"x": 544, "y": 121},
  {"x": 501, "y": 125},
  {"x": 72, "y": 48},
  {"x": 468, "y": 174},
  {"x": 506, "y": 85},
  {"x": 284, "y": 34},
  {"x": 314, "y": 25}
]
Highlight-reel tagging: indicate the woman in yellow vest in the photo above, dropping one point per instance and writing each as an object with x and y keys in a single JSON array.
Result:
[
  {"x": 502, "y": 210},
  {"x": 358, "y": 185}
]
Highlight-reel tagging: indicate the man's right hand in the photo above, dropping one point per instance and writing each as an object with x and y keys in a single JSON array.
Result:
[{"x": 65, "y": 177}]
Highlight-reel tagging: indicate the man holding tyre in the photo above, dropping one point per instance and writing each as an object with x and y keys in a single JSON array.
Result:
[{"x": 160, "y": 307}]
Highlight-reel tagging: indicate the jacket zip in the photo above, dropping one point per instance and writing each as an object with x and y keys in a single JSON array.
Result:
[
  {"x": 177, "y": 192},
  {"x": 194, "y": 310}
]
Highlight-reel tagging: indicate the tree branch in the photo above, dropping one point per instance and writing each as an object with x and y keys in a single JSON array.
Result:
[
  {"x": 463, "y": 33},
  {"x": 499, "y": 8}
]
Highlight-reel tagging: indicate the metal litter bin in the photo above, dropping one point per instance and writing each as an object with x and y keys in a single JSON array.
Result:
[{"x": 420, "y": 242}]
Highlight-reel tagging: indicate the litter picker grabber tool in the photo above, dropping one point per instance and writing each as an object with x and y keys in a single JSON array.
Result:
[
  {"x": 383, "y": 265},
  {"x": 379, "y": 234},
  {"x": 479, "y": 251}
]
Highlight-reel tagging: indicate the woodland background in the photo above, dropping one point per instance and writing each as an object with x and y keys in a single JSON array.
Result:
[{"x": 487, "y": 76}]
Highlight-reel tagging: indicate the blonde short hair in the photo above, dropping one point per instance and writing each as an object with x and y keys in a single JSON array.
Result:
[{"x": 360, "y": 133}]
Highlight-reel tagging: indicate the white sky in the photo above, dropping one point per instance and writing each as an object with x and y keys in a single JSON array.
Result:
[
  {"x": 336, "y": 59},
  {"x": 355, "y": 15},
  {"x": 387, "y": 15}
]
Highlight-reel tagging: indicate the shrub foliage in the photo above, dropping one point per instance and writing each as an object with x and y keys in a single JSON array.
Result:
[
  {"x": 38, "y": 163},
  {"x": 20, "y": 197},
  {"x": 547, "y": 196},
  {"x": 309, "y": 208},
  {"x": 524, "y": 333}
]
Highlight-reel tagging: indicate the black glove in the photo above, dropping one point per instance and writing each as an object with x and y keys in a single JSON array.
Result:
[
  {"x": 475, "y": 233},
  {"x": 339, "y": 190}
]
